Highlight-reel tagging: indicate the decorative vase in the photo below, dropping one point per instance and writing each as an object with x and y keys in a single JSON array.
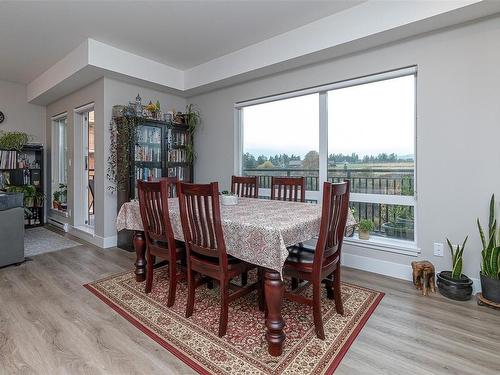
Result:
[
  {"x": 229, "y": 200},
  {"x": 490, "y": 288},
  {"x": 39, "y": 201},
  {"x": 29, "y": 202},
  {"x": 456, "y": 289},
  {"x": 363, "y": 235}
]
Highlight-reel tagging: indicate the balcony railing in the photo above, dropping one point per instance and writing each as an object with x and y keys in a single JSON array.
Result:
[{"x": 390, "y": 220}]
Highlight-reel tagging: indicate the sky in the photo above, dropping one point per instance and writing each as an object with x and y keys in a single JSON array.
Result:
[{"x": 367, "y": 119}]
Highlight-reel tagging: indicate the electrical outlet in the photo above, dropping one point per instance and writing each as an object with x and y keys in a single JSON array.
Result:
[{"x": 438, "y": 249}]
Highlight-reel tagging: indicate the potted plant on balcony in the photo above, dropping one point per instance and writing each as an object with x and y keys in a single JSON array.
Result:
[
  {"x": 400, "y": 224},
  {"x": 365, "y": 226},
  {"x": 63, "y": 189},
  {"x": 453, "y": 284},
  {"x": 57, "y": 197},
  {"x": 490, "y": 265}
]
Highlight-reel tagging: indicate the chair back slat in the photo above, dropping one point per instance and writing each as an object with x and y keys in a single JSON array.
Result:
[
  {"x": 333, "y": 221},
  {"x": 247, "y": 187},
  {"x": 171, "y": 181},
  {"x": 153, "y": 205},
  {"x": 201, "y": 221},
  {"x": 288, "y": 189}
]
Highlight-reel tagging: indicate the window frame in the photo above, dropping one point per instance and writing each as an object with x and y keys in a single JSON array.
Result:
[
  {"x": 378, "y": 243},
  {"x": 55, "y": 157}
]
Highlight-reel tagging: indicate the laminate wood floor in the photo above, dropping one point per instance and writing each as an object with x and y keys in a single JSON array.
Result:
[{"x": 50, "y": 324}]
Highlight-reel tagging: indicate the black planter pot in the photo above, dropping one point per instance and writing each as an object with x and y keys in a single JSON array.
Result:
[
  {"x": 490, "y": 288},
  {"x": 457, "y": 289}
]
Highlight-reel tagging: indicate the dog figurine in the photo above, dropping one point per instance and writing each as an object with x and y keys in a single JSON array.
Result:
[{"x": 424, "y": 276}]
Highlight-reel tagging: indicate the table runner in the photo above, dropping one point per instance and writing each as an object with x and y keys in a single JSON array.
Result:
[{"x": 257, "y": 231}]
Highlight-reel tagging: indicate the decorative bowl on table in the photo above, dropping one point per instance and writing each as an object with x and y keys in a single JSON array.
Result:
[{"x": 229, "y": 199}]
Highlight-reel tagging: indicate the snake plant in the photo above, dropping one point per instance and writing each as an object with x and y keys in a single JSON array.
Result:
[
  {"x": 491, "y": 245},
  {"x": 457, "y": 258}
]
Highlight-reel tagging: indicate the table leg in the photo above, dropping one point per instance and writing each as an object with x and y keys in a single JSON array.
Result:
[
  {"x": 140, "y": 251},
  {"x": 273, "y": 289}
]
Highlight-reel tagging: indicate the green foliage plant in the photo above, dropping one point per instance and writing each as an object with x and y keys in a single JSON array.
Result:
[
  {"x": 490, "y": 255},
  {"x": 13, "y": 140},
  {"x": 366, "y": 225},
  {"x": 192, "y": 117},
  {"x": 457, "y": 258}
]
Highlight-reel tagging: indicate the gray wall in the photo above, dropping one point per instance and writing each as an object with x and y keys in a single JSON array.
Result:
[
  {"x": 458, "y": 130},
  {"x": 93, "y": 93},
  {"x": 20, "y": 115},
  {"x": 105, "y": 93}
]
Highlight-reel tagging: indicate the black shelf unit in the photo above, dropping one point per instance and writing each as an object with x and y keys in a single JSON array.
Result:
[
  {"x": 160, "y": 151},
  {"x": 29, "y": 175}
]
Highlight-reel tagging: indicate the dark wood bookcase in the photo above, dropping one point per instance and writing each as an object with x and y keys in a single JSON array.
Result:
[
  {"x": 161, "y": 150},
  {"x": 31, "y": 173}
]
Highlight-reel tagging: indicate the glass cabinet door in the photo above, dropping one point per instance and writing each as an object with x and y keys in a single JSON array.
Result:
[{"x": 148, "y": 153}]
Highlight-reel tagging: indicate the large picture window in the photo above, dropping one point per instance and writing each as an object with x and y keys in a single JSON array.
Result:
[
  {"x": 280, "y": 140},
  {"x": 362, "y": 131}
]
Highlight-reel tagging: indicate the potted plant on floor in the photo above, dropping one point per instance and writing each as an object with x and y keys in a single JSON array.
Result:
[
  {"x": 490, "y": 270},
  {"x": 453, "y": 284},
  {"x": 365, "y": 226}
]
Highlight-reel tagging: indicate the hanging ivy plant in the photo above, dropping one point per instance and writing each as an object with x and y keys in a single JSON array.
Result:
[{"x": 123, "y": 133}]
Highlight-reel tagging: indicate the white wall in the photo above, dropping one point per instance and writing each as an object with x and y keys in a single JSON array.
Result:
[
  {"x": 458, "y": 153},
  {"x": 118, "y": 92},
  {"x": 20, "y": 115}
]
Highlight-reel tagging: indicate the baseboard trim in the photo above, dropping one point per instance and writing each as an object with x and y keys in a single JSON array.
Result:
[
  {"x": 58, "y": 224},
  {"x": 108, "y": 242},
  {"x": 386, "y": 268},
  {"x": 382, "y": 267},
  {"x": 102, "y": 242}
]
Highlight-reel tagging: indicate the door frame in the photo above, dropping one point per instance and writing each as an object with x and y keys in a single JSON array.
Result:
[{"x": 81, "y": 189}]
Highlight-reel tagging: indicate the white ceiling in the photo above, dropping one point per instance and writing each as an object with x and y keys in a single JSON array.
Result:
[{"x": 181, "y": 34}]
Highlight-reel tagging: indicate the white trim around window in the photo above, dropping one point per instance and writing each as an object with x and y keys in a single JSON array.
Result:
[{"x": 376, "y": 243}]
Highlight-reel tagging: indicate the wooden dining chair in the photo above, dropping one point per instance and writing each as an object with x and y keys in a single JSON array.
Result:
[
  {"x": 288, "y": 189},
  {"x": 247, "y": 187},
  {"x": 171, "y": 181},
  {"x": 205, "y": 246},
  {"x": 160, "y": 241},
  {"x": 324, "y": 262}
]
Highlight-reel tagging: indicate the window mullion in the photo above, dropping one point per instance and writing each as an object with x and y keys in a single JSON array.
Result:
[{"x": 323, "y": 140}]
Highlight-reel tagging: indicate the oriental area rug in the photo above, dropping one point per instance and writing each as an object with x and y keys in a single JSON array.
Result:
[{"x": 243, "y": 350}]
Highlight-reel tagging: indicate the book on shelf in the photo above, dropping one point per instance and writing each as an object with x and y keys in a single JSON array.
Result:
[
  {"x": 177, "y": 155},
  {"x": 176, "y": 138},
  {"x": 148, "y": 153},
  {"x": 142, "y": 173},
  {"x": 182, "y": 173},
  {"x": 8, "y": 159}
]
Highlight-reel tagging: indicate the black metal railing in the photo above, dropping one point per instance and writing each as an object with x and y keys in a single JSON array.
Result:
[{"x": 394, "y": 221}]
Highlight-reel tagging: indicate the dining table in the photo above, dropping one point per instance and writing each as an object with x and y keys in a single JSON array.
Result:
[{"x": 258, "y": 231}]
